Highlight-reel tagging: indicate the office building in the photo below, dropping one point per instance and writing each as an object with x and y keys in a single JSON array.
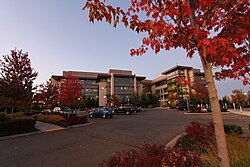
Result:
[
  {"x": 100, "y": 86},
  {"x": 170, "y": 91}
]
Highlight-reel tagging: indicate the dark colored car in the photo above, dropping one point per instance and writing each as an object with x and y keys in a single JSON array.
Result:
[
  {"x": 182, "y": 107},
  {"x": 128, "y": 110},
  {"x": 192, "y": 108},
  {"x": 137, "y": 108},
  {"x": 102, "y": 112}
]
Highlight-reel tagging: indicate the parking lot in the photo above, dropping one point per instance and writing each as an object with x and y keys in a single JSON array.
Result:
[{"x": 89, "y": 145}]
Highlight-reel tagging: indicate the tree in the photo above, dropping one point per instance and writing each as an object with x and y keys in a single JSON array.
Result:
[
  {"x": 112, "y": 100},
  {"x": 226, "y": 101},
  {"x": 149, "y": 99},
  {"x": 172, "y": 97},
  {"x": 199, "y": 90},
  {"x": 248, "y": 98},
  {"x": 70, "y": 91},
  {"x": 135, "y": 99},
  {"x": 48, "y": 94},
  {"x": 217, "y": 30},
  {"x": 238, "y": 97},
  {"x": 17, "y": 79}
]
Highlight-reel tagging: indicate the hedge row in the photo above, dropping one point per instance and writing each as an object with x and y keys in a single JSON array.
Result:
[
  {"x": 61, "y": 120},
  {"x": 15, "y": 126}
]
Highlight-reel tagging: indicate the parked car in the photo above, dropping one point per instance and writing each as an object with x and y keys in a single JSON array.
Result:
[
  {"x": 101, "y": 112},
  {"x": 89, "y": 110},
  {"x": 192, "y": 108},
  {"x": 128, "y": 110},
  {"x": 137, "y": 108},
  {"x": 63, "y": 110},
  {"x": 46, "y": 111}
]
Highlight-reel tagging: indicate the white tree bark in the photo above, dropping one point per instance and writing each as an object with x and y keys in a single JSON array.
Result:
[{"x": 217, "y": 117}]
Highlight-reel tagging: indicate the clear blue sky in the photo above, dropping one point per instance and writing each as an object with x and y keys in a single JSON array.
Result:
[{"x": 58, "y": 36}]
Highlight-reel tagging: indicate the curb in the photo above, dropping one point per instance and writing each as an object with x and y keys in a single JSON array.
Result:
[
  {"x": 241, "y": 114},
  {"x": 210, "y": 113},
  {"x": 80, "y": 125},
  {"x": 40, "y": 132},
  {"x": 20, "y": 135},
  {"x": 172, "y": 143}
]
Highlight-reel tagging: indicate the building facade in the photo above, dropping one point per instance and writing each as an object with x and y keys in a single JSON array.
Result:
[
  {"x": 100, "y": 86},
  {"x": 124, "y": 85},
  {"x": 170, "y": 91}
]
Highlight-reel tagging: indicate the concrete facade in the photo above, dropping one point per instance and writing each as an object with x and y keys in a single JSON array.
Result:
[
  {"x": 120, "y": 83},
  {"x": 169, "y": 90},
  {"x": 123, "y": 84}
]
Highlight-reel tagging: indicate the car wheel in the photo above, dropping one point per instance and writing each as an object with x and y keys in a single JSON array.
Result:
[
  {"x": 111, "y": 116},
  {"x": 103, "y": 116},
  {"x": 127, "y": 113},
  {"x": 91, "y": 116}
]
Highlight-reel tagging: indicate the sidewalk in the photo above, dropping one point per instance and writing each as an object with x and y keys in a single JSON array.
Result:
[
  {"x": 46, "y": 127},
  {"x": 245, "y": 112},
  {"x": 42, "y": 127}
]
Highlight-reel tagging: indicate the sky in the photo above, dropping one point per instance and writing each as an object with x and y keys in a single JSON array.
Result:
[{"x": 58, "y": 36}]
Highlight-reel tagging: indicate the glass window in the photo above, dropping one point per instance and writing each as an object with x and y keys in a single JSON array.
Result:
[{"x": 124, "y": 81}]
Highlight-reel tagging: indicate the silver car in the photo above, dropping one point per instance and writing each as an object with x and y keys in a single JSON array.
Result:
[{"x": 63, "y": 110}]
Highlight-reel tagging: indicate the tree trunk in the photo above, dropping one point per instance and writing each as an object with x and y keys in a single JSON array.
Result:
[
  {"x": 213, "y": 98},
  {"x": 217, "y": 117}
]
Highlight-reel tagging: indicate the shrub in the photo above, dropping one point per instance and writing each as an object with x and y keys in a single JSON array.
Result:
[
  {"x": 147, "y": 155},
  {"x": 74, "y": 121},
  {"x": 153, "y": 155},
  {"x": 54, "y": 119},
  {"x": 60, "y": 120},
  {"x": 69, "y": 115},
  {"x": 200, "y": 139},
  {"x": 197, "y": 137},
  {"x": 178, "y": 156},
  {"x": 3, "y": 117},
  {"x": 14, "y": 126},
  {"x": 223, "y": 110},
  {"x": 233, "y": 129}
]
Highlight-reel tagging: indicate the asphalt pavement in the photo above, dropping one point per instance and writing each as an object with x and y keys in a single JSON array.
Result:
[{"x": 89, "y": 145}]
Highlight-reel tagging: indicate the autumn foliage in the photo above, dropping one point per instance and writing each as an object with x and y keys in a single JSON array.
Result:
[
  {"x": 16, "y": 82},
  {"x": 219, "y": 28},
  {"x": 238, "y": 97},
  {"x": 199, "y": 89},
  {"x": 48, "y": 94},
  {"x": 153, "y": 155},
  {"x": 70, "y": 91}
]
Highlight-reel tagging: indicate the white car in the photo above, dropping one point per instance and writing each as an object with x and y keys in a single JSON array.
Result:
[
  {"x": 63, "y": 110},
  {"x": 46, "y": 111}
]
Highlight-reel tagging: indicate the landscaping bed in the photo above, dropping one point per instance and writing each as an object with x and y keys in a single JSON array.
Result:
[
  {"x": 197, "y": 148},
  {"x": 19, "y": 123},
  {"x": 62, "y": 119}
]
